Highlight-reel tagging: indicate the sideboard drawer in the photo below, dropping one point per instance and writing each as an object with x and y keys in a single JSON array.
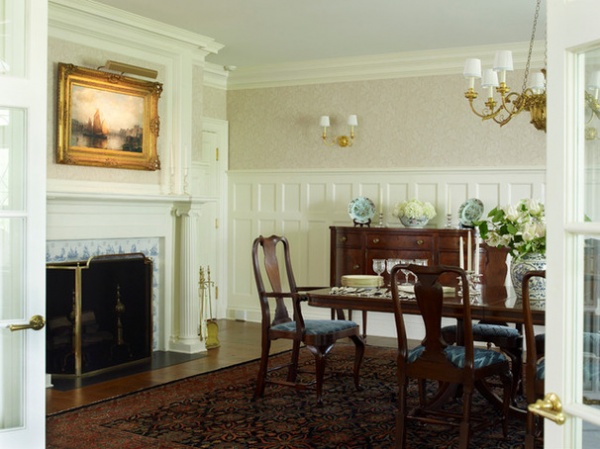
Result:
[
  {"x": 450, "y": 242},
  {"x": 401, "y": 241},
  {"x": 348, "y": 240}
]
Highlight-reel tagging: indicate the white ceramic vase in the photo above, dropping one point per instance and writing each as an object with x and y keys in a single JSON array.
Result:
[
  {"x": 537, "y": 285},
  {"x": 414, "y": 222}
]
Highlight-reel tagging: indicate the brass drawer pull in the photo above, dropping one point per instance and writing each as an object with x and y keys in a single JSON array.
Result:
[
  {"x": 375, "y": 240},
  {"x": 420, "y": 242},
  {"x": 356, "y": 267},
  {"x": 344, "y": 238}
]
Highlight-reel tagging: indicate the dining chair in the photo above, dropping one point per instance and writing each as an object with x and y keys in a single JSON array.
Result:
[
  {"x": 318, "y": 336},
  {"x": 506, "y": 338},
  {"x": 434, "y": 360}
]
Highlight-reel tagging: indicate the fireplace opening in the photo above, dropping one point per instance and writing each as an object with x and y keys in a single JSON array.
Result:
[{"x": 99, "y": 314}]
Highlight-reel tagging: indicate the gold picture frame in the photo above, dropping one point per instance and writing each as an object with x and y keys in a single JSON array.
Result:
[{"x": 106, "y": 119}]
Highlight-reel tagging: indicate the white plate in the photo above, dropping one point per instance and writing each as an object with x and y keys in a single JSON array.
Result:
[
  {"x": 361, "y": 210},
  {"x": 362, "y": 280},
  {"x": 470, "y": 211},
  {"x": 448, "y": 291}
]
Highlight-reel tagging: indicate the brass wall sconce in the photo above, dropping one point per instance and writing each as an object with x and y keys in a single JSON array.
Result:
[{"x": 342, "y": 141}]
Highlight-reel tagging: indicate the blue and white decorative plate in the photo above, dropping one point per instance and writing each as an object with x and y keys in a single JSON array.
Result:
[
  {"x": 470, "y": 211},
  {"x": 361, "y": 210}
]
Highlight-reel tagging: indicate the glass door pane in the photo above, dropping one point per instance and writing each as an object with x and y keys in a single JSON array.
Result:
[
  {"x": 12, "y": 250},
  {"x": 12, "y": 38}
]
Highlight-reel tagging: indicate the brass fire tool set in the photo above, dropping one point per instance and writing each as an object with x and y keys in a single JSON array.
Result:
[{"x": 212, "y": 328}]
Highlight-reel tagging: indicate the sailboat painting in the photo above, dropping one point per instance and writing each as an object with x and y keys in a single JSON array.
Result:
[{"x": 107, "y": 120}]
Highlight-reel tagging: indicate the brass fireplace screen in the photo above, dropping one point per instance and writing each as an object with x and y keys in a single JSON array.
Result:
[{"x": 99, "y": 314}]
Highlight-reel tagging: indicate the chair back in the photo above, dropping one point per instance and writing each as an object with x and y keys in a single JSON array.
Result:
[
  {"x": 531, "y": 355},
  {"x": 430, "y": 298},
  {"x": 271, "y": 268}
]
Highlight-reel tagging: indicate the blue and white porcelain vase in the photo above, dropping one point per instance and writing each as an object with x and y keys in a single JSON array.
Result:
[
  {"x": 417, "y": 222},
  {"x": 537, "y": 285}
]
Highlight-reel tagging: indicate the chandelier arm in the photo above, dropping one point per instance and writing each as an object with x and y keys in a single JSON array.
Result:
[{"x": 483, "y": 116}]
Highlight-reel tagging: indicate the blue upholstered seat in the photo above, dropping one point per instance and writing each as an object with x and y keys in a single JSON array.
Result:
[
  {"x": 483, "y": 332},
  {"x": 316, "y": 327},
  {"x": 456, "y": 356}
]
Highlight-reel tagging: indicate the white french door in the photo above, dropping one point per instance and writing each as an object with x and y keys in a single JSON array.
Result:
[
  {"x": 573, "y": 215},
  {"x": 23, "y": 98}
]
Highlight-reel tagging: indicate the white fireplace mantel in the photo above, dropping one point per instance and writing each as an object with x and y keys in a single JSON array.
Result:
[{"x": 120, "y": 221}]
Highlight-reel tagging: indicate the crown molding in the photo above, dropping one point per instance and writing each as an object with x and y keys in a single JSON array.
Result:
[
  {"x": 387, "y": 66},
  {"x": 86, "y": 15},
  {"x": 215, "y": 76}
]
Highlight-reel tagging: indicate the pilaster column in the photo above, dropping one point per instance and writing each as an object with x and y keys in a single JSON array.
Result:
[{"x": 187, "y": 339}]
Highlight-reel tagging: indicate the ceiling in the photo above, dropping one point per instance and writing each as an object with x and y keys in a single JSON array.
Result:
[{"x": 260, "y": 32}]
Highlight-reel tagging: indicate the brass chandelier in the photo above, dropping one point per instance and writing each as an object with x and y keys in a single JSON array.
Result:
[{"x": 532, "y": 97}]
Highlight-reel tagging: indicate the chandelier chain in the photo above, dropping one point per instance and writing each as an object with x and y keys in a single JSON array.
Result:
[{"x": 535, "y": 21}]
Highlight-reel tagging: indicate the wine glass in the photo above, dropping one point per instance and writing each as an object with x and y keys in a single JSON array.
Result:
[
  {"x": 406, "y": 272},
  {"x": 379, "y": 266}
]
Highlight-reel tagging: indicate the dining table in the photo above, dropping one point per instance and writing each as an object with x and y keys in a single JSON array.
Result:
[{"x": 490, "y": 304}]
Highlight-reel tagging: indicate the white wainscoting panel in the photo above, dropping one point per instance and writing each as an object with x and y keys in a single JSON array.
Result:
[{"x": 303, "y": 205}]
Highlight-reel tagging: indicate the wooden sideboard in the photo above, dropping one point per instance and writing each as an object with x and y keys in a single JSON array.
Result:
[{"x": 354, "y": 248}]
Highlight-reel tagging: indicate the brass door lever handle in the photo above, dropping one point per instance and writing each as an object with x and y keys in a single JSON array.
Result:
[
  {"x": 550, "y": 408},
  {"x": 36, "y": 323}
]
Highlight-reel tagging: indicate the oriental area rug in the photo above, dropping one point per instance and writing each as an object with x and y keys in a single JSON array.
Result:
[{"x": 216, "y": 410}]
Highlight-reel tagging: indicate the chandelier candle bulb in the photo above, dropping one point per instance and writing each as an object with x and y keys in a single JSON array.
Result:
[
  {"x": 472, "y": 71},
  {"x": 503, "y": 63},
  {"x": 489, "y": 81},
  {"x": 461, "y": 256},
  {"x": 537, "y": 83}
]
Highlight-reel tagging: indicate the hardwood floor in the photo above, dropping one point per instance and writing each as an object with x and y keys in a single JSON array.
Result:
[{"x": 239, "y": 342}]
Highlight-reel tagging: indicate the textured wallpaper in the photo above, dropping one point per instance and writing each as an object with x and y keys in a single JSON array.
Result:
[
  {"x": 408, "y": 122},
  {"x": 215, "y": 103}
]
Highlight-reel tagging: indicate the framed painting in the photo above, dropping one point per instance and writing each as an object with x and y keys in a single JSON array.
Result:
[{"x": 107, "y": 120}]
